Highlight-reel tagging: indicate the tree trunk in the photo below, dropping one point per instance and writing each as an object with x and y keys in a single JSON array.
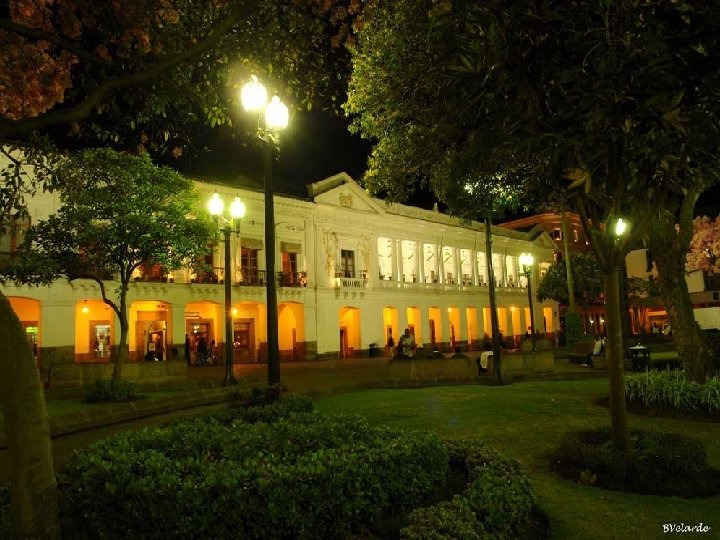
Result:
[
  {"x": 34, "y": 506},
  {"x": 568, "y": 266},
  {"x": 122, "y": 350},
  {"x": 691, "y": 344},
  {"x": 497, "y": 363},
  {"x": 614, "y": 358},
  {"x": 669, "y": 245}
]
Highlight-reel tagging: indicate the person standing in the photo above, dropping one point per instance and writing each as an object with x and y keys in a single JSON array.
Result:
[
  {"x": 187, "y": 349},
  {"x": 202, "y": 350},
  {"x": 407, "y": 344}
]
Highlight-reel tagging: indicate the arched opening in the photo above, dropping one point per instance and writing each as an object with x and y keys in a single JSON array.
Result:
[
  {"x": 94, "y": 331},
  {"x": 291, "y": 331},
  {"x": 414, "y": 324},
  {"x": 28, "y": 311},
  {"x": 391, "y": 330},
  {"x": 149, "y": 333},
  {"x": 349, "y": 331},
  {"x": 455, "y": 336},
  {"x": 517, "y": 327},
  {"x": 471, "y": 316},
  {"x": 249, "y": 335},
  {"x": 200, "y": 328},
  {"x": 434, "y": 327}
]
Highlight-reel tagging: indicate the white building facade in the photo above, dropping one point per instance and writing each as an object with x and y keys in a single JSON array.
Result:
[{"x": 352, "y": 271}]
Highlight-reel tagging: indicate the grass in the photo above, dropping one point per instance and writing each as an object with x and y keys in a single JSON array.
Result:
[{"x": 525, "y": 421}]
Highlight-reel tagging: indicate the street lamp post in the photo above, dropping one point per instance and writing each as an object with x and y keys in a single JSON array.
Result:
[
  {"x": 273, "y": 118},
  {"x": 526, "y": 260},
  {"x": 237, "y": 211}
]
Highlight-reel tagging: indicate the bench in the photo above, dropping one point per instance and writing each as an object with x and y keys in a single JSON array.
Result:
[{"x": 579, "y": 352}]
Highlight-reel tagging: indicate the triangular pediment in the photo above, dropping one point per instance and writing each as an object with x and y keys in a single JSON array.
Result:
[{"x": 342, "y": 191}]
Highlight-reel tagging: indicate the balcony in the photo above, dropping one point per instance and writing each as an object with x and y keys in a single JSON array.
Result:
[
  {"x": 292, "y": 279},
  {"x": 345, "y": 280},
  {"x": 250, "y": 277}
]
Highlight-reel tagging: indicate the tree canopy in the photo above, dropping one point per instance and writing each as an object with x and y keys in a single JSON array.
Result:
[
  {"x": 615, "y": 100},
  {"x": 587, "y": 279},
  {"x": 117, "y": 212},
  {"x": 704, "y": 254},
  {"x": 147, "y": 73}
]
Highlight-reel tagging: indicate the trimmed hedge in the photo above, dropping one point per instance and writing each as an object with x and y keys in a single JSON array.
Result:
[
  {"x": 498, "y": 501},
  {"x": 655, "y": 464},
  {"x": 281, "y": 471},
  {"x": 303, "y": 476}
]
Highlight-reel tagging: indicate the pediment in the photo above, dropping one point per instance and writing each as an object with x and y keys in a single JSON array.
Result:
[{"x": 342, "y": 191}]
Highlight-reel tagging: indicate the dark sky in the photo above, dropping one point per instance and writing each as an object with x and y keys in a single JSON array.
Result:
[{"x": 315, "y": 145}]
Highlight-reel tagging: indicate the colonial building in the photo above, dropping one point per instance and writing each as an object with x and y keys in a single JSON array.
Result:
[{"x": 352, "y": 271}]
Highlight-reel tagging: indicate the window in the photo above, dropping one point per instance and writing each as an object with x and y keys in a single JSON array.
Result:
[
  {"x": 13, "y": 234},
  {"x": 347, "y": 263},
  {"x": 289, "y": 268},
  {"x": 249, "y": 265},
  {"x": 556, "y": 234}
]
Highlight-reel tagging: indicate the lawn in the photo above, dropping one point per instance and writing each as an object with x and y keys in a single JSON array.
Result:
[{"x": 524, "y": 421}]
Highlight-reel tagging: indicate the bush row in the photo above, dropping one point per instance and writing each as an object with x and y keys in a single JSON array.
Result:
[
  {"x": 497, "y": 502},
  {"x": 301, "y": 476},
  {"x": 281, "y": 471},
  {"x": 102, "y": 391},
  {"x": 656, "y": 463},
  {"x": 671, "y": 390}
]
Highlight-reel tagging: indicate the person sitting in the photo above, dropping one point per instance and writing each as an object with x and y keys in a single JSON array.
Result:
[{"x": 597, "y": 351}]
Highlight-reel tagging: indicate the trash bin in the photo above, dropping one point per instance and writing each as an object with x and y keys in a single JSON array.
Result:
[{"x": 639, "y": 357}]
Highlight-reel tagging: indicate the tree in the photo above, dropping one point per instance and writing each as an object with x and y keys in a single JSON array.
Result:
[
  {"x": 609, "y": 103},
  {"x": 704, "y": 252},
  {"x": 402, "y": 99},
  {"x": 68, "y": 65},
  {"x": 118, "y": 212},
  {"x": 138, "y": 73},
  {"x": 642, "y": 294},
  {"x": 585, "y": 274}
]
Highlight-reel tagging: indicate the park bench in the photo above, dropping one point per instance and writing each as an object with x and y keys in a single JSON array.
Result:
[{"x": 578, "y": 353}]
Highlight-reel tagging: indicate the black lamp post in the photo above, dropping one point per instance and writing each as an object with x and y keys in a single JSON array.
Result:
[
  {"x": 237, "y": 211},
  {"x": 274, "y": 117},
  {"x": 526, "y": 260}
]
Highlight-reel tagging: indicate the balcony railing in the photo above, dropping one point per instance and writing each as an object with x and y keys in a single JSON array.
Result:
[
  {"x": 347, "y": 281},
  {"x": 292, "y": 279},
  {"x": 251, "y": 278}
]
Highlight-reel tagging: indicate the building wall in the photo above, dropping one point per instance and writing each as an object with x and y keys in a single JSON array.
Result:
[{"x": 364, "y": 266}]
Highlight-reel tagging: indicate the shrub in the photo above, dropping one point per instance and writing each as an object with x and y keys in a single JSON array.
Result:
[
  {"x": 306, "y": 477},
  {"x": 671, "y": 390},
  {"x": 102, "y": 391},
  {"x": 573, "y": 328},
  {"x": 656, "y": 463},
  {"x": 497, "y": 502}
]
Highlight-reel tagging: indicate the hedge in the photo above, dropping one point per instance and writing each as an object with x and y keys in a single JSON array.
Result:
[{"x": 305, "y": 476}]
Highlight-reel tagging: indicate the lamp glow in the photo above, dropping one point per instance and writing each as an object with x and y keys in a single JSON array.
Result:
[
  {"x": 526, "y": 259},
  {"x": 85, "y": 309},
  {"x": 237, "y": 208},
  {"x": 620, "y": 227},
  {"x": 253, "y": 95},
  {"x": 276, "y": 114},
  {"x": 216, "y": 205}
]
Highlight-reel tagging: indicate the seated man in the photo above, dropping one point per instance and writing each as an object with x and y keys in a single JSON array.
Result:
[{"x": 597, "y": 351}]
